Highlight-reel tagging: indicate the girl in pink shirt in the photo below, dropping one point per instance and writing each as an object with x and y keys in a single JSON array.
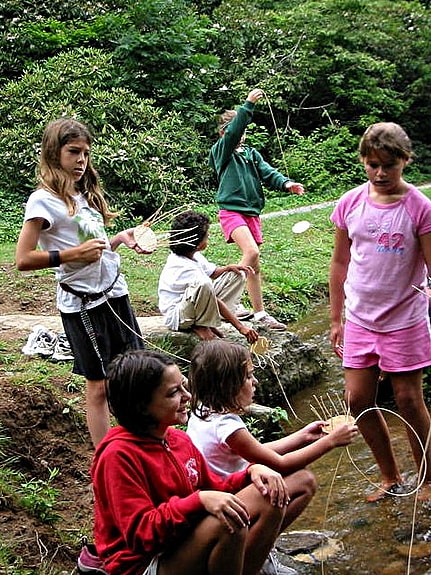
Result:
[{"x": 382, "y": 249}]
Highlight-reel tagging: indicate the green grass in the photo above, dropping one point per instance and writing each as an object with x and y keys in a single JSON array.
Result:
[{"x": 294, "y": 266}]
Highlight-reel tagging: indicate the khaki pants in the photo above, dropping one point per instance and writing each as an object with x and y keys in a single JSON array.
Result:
[{"x": 199, "y": 303}]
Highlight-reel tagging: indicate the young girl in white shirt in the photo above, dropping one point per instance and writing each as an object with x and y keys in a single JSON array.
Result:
[
  {"x": 222, "y": 384},
  {"x": 64, "y": 229}
]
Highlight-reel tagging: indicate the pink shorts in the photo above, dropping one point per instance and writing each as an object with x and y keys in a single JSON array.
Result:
[
  {"x": 229, "y": 221},
  {"x": 401, "y": 350}
]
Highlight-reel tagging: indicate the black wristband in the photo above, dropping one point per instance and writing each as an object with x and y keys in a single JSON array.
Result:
[{"x": 54, "y": 259}]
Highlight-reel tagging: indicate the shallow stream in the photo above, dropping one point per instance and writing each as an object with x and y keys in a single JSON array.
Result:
[{"x": 391, "y": 537}]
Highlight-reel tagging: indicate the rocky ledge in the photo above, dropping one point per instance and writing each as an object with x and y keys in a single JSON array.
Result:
[{"x": 288, "y": 366}]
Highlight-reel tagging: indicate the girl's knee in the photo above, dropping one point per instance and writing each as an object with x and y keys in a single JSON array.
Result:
[
  {"x": 357, "y": 402},
  {"x": 251, "y": 257},
  {"x": 217, "y": 531},
  {"x": 301, "y": 483},
  {"x": 96, "y": 392},
  {"x": 309, "y": 482},
  {"x": 405, "y": 402},
  {"x": 271, "y": 513}
]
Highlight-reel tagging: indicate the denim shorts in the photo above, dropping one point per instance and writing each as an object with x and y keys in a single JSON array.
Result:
[{"x": 395, "y": 351}]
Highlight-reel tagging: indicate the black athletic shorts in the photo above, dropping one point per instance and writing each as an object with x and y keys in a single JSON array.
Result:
[{"x": 112, "y": 336}]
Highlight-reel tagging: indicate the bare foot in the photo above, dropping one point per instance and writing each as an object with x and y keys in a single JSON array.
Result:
[
  {"x": 385, "y": 490},
  {"x": 204, "y": 332}
]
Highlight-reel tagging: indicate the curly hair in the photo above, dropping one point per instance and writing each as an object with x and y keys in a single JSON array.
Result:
[
  {"x": 188, "y": 230},
  {"x": 218, "y": 370}
]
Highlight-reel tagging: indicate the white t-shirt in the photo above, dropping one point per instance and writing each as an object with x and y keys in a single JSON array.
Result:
[
  {"x": 385, "y": 258},
  {"x": 65, "y": 231},
  {"x": 210, "y": 435},
  {"x": 178, "y": 273}
]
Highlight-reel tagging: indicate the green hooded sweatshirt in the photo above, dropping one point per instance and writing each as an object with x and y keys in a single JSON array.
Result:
[{"x": 241, "y": 174}]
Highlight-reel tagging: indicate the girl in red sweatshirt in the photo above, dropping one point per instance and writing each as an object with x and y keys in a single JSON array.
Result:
[{"x": 158, "y": 507}]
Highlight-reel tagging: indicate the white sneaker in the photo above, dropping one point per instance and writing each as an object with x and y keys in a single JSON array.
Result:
[
  {"x": 272, "y": 566},
  {"x": 272, "y": 323},
  {"x": 41, "y": 341},
  {"x": 62, "y": 351},
  {"x": 242, "y": 313}
]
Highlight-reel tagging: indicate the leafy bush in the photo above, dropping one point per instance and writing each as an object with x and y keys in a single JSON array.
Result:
[
  {"x": 34, "y": 31},
  {"x": 327, "y": 62},
  {"x": 164, "y": 55},
  {"x": 326, "y": 162},
  {"x": 145, "y": 156}
]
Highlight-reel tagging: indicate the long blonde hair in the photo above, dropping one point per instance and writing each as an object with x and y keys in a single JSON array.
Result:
[{"x": 53, "y": 178}]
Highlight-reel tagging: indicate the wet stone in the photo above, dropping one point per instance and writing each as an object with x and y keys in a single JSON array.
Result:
[
  {"x": 300, "y": 541},
  {"x": 307, "y": 547}
]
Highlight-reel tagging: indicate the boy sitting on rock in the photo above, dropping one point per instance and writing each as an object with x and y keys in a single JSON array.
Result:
[{"x": 194, "y": 294}]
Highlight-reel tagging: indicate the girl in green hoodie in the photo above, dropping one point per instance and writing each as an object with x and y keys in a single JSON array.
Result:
[{"x": 241, "y": 172}]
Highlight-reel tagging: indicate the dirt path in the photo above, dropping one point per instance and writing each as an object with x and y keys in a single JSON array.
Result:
[{"x": 22, "y": 324}]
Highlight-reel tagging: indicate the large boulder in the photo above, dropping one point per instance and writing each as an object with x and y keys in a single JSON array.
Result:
[{"x": 288, "y": 366}]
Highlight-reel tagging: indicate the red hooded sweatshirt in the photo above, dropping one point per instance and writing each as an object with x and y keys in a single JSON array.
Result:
[{"x": 146, "y": 496}]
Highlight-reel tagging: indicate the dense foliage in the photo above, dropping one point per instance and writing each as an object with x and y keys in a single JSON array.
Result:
[{"x": 150, "y": 76}]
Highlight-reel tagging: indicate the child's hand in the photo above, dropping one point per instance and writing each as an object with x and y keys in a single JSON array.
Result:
[
  {"x": 91, "y": 250},
  {"x": 295, "y": 188},
  {"x": 338, "y": 350},
  {"x": 255, "y": 95},
  {"x": 343, "y": 434},
  {"x": 271, "y": 483},
  {"x": 228, "y": 508},
  {"x": 336, "y": 338},
  {"x": 250, "y": 334},
  {"x": 127, "y": 238},
  {"x": 313, "y": 431},
  {"x": 237, "y": 269}
]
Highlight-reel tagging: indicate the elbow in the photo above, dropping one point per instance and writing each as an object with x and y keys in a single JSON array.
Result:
[{"x": 22, "y": 264}]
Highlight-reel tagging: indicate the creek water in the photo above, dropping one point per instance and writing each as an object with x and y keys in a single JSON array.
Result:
[{"x": 390, "y": 537}]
